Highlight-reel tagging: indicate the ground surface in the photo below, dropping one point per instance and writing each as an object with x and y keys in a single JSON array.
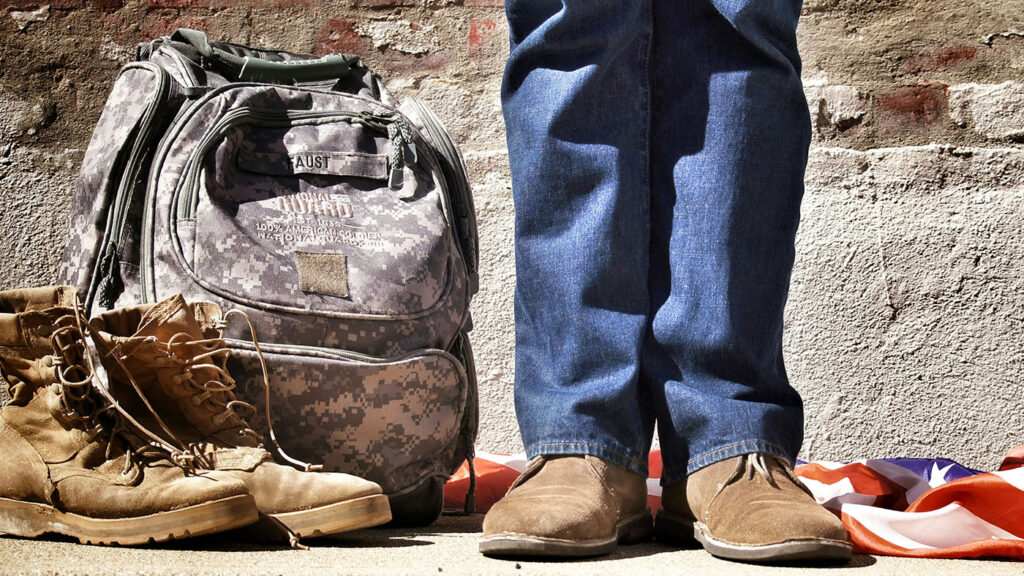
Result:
[{"x": 447, "y": 547}]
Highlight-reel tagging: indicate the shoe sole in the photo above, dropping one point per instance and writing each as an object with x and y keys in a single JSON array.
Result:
[
  {"x": 336, "y": 518},
  {"x": 30, "y": 519},
  {"x": 678, "y": 530},
  {"x": 636, "y": 528}
]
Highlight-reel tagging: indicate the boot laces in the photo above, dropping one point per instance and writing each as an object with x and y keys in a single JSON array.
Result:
[
  {"x": 202, "y": 365},
  {"x": 222, "y": 325},
  {"x": 84, "y": 400}
]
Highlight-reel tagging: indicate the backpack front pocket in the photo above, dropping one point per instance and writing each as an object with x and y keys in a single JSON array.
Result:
[
  {"x": 312, "y": 210},
  {"x": 389, "y": 420}
]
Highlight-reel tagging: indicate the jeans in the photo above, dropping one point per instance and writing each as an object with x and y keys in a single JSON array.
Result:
[{"x": 657, "y": 149}]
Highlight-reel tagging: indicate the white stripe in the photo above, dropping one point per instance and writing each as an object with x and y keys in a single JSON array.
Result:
[
  {"x": 517, "y": 462},
  {"x": 828, "y": 465},
  {"x": 1013, "y": 477},
  {"x": 832, "y": 495},
  {"x": 951, "y": 525},
  {"x": 654, "y": 487},
  {"x": 912, "y": 483}
]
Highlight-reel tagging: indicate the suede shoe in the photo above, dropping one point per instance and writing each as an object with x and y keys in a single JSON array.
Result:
[
  {"x": 751, "y": 508},
  {"x": 167, "y": 367},
  {"x": 70, "y": 462},
  {"x": 568, "y": 506}
]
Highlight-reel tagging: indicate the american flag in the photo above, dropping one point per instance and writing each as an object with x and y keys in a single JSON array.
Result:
[{"x": 918, "y": 507}]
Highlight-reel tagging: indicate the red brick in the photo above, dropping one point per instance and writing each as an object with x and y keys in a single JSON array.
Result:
[
  {"x": 108, "y": 5},
  {"x": 479, "y": 30},
  {"x": 340, "y": 37},
  {"x": 922, "y": 103},
  {"x": 940, "y": 58}
]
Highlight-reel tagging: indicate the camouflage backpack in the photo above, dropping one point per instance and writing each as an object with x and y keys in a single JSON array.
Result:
[{"x": 300, "y": 192}]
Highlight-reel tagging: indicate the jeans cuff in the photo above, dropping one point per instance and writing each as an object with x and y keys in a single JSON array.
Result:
[
  {"x": 673, "y": 473},
  {"x": 616, "y": 456}
]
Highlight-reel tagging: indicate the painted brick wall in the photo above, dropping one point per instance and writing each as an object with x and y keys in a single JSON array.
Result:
[{"x": 904, "y": 330}]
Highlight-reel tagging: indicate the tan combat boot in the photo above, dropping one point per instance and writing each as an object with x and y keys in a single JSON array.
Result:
[
  {"x": 69, "y": 461},
  {"x": 751, "y": 508},
  {"x": 174, "y": 354},
  {"x": 568, "y": 506}
]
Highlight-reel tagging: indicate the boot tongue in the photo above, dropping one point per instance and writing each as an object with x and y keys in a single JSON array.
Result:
[{"x": 169, "y": 317}]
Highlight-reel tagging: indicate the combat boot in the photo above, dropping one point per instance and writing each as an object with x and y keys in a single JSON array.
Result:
[
  {"x": 70, "y": 462},
  {"x": 167, "y": 366}
]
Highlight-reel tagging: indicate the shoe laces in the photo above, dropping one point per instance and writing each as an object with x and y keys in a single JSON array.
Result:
[
  {"x": 750, "y": 465},
  {"x": 202, "y": 366},
  {"x": 84, "y": 401},
  {"x": 757, "y": 464}
]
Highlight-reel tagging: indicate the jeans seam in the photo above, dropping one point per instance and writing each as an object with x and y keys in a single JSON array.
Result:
[
  {"x": 734, "y": 445},
  {"x": 594, "y": 445}
]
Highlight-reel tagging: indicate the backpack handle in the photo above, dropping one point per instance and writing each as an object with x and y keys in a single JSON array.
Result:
[{"x": 260, "y": 70}]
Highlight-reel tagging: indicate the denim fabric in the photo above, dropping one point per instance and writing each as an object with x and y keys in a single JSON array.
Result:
[{"x": 658, "y": 151}]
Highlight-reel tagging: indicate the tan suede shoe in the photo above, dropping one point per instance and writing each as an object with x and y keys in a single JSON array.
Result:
[
  {"x": 751, "y": 508},
  {"x": 568, "y": 506}
]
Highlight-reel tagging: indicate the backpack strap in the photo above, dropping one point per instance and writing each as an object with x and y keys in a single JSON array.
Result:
[{"x": 255, "y": 69}]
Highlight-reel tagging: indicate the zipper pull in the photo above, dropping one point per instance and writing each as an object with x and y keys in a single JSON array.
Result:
[
  {"x": 403, "y": 148},
  {"x": 110, "y": 286}
]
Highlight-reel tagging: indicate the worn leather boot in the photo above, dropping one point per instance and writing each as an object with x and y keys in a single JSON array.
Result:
[
  {"x": 69, "y": 461},
  {"x": 174, "y": 354},
  {"x": 751, "y": 508},
  {"x": 568, "y": 506}
]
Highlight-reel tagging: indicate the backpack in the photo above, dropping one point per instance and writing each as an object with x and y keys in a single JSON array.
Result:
[{"x": 298, "y": 190}]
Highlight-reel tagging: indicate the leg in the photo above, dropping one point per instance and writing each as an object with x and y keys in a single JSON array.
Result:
[
  {"x": 727, "y": 181},
  {"x": 575, "y": 99},
  {"x": 576, "y": 104},
  {"x": 730, "y": 114}
]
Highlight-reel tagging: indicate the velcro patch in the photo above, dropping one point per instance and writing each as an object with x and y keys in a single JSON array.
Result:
[
  {"x": 323, "y": 273},
  {"x": 356, "y": 164}
]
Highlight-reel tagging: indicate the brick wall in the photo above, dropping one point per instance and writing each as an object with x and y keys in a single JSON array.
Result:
[{"x": 906, "y": 311}]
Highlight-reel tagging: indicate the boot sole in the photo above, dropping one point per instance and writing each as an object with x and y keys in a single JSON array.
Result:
[
  {"x": 336, "y": 518},
  {"x": 636, "y": 528},
  {"x": 674, "y": 529},
  {"x": 30, "y": 519}
]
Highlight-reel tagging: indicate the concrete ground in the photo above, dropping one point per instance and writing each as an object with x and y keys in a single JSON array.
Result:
[{"x": 447, "y": 547}]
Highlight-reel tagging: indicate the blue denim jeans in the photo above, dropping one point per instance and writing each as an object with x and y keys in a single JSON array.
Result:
[{"x": 658, "y": 149}]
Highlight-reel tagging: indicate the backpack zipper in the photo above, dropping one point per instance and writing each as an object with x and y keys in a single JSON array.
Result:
[
  {"x": 187, "y": 200},
  {"x": 107, "y": 286},
  {"x": 453, "y": 168},
  {"x": 391, "y": 123}
]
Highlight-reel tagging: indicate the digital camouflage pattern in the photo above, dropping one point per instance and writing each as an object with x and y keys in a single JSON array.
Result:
[
  {"x": 133, "y": 98},
  {"x": 385, "y": 421},
  {"x": 322, "y": 213}
]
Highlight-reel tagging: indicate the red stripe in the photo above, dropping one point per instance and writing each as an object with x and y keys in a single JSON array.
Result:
[
  {"x": 888, "y": 494},
  {"x": 987, "y": 496},
  {"x": 867, "y": 542},
  {"x": 1014, "y": 459}
]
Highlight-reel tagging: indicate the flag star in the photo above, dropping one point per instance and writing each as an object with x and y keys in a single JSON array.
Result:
[{"x": 938, "y": 475}]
